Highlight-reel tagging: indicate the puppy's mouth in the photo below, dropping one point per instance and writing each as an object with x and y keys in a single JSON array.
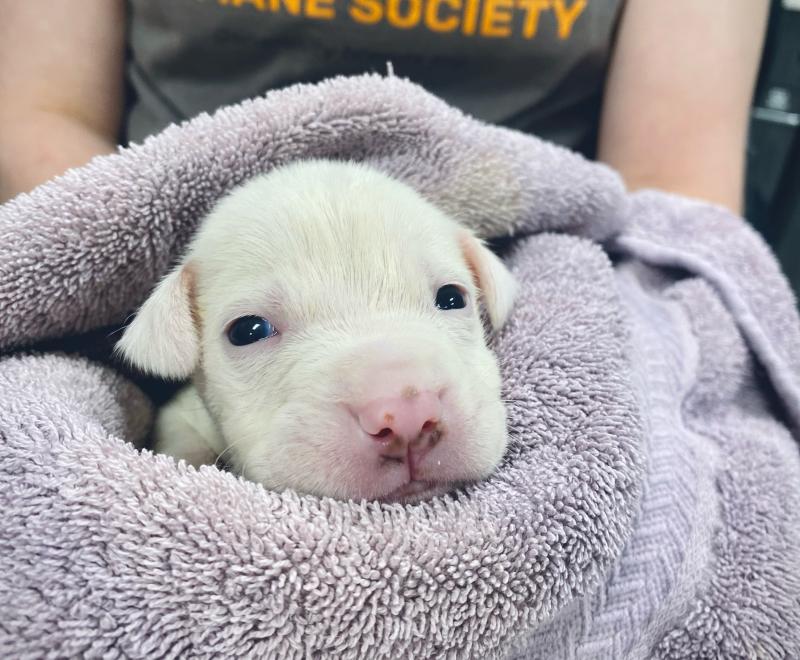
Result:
[{"x": 416, "y": 491}]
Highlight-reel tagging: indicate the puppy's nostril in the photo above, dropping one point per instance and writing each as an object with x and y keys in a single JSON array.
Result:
[{"x": 400, "y": 418}]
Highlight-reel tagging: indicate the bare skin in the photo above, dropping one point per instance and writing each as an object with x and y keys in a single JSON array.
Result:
[
  {"x": 675, "y": 115},
  {"x": 61, "y": 82},
  {"x": 678, "y": 96}
]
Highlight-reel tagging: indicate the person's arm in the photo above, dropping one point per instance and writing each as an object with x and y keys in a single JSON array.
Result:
[
  {"x": 678, "y": 96},
  {"x": 61, "y": 81}
]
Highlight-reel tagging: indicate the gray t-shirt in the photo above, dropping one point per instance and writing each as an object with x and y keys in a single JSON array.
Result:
[{"x": 534, "y": 65}]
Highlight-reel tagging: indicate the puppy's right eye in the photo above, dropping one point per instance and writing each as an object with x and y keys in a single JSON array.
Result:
[
  {"x": 250, "y": 329},
  {"x": 450, "y": 296}
]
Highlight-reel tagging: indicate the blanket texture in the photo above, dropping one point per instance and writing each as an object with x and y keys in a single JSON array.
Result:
[{"x": 649, "y": 502}]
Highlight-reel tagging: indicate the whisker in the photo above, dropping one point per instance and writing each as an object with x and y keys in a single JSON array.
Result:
[{"x": 227, "y": 450}]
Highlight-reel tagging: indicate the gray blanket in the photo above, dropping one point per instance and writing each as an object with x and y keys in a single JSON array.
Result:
[{"x": 648, "y": 505}]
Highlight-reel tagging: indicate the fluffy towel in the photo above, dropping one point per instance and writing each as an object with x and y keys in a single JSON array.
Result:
[{"x": 648, "y": 505}]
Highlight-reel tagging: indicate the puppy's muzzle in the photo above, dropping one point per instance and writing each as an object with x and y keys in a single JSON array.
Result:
[{"x": 404, "y": 427}]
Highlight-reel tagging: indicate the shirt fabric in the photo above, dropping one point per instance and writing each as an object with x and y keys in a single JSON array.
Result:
[{"x": 534, "y": 65}]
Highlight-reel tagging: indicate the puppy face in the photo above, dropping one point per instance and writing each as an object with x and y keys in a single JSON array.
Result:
[{"x": 330, "y": 318}]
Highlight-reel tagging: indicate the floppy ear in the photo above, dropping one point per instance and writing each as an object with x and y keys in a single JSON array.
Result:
[
  {"x": 497, "y": 286},
  {"x": 163, "y": 338}
]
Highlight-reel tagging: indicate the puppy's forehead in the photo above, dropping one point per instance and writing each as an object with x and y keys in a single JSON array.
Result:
[{"x": 336, "y": 226}]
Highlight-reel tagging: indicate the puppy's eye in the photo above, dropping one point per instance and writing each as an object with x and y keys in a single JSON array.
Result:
[
  {"x": 450, "y": 297},
  {"x": 250, "y": 329}
]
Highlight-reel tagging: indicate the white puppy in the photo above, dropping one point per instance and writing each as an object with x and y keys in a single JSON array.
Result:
[{"x": 328, "y": 318}]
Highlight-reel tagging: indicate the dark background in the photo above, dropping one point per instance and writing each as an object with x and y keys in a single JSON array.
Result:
[{"x": 772, "y": 198}]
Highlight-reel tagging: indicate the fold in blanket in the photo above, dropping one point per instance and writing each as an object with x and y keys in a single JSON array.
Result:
[{"x": 649, "y": 502}]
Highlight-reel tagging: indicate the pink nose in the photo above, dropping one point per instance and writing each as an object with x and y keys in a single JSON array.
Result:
[{"x": 406, "y": 416}]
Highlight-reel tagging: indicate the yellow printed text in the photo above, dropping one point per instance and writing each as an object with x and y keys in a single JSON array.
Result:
[{"x": 494, "y": 19}]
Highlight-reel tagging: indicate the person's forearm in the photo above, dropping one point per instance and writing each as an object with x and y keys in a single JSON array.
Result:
[
  {"x": 702, "y": 162},
  {"x": 677, "y": 97},
  {"x": 42, "y": 145}
]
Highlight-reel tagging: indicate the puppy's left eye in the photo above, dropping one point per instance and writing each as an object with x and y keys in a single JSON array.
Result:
[
  {"x": 450, "y": 297},
  {"x": 250, "y": 329}
]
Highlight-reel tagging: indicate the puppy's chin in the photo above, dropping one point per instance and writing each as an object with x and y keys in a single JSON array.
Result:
[
  {"x": 342, "y": 470},
  {"x": 408, "y": 492},
  {"x": 418, "y": 491}
]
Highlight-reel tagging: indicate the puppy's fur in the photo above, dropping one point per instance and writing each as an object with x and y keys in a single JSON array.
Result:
[{"x": 345, "y": 263}]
